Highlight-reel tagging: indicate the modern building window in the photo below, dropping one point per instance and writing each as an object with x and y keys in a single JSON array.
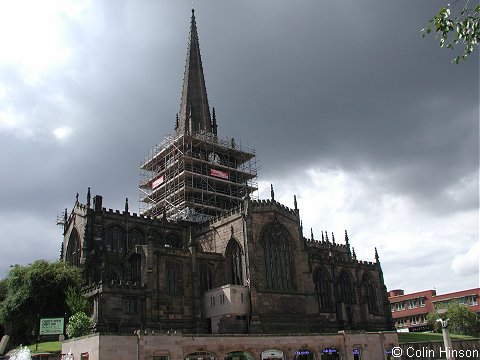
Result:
[
  {"x": 421, "y": 302},
  {"x": 412, "y": 304},
  {"x": 233, "y": 257},
  {"x": 400, "y": 306},
  {"x": 277, "y": 252},
  {"x": 172, "y": 272},
  {"x": 473, "y": 300},
  {"x": 322, "y": 282}
]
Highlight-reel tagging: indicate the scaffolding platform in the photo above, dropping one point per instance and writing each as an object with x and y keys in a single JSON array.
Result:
[{"x": 196, "y": 176}]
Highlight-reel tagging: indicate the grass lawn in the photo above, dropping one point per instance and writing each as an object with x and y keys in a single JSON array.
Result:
[
  {"x": 51, "y": 346},
  {"x": 426, "y": 337}
]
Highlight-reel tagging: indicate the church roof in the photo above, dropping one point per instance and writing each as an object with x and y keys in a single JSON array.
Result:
[{"x": 194, "y": 115}]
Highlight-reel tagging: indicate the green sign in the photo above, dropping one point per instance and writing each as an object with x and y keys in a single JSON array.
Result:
[{"x": 52, "y": 326}]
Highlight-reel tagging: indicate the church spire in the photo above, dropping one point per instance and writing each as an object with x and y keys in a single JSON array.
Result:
[{"x": 194, "y": 112}]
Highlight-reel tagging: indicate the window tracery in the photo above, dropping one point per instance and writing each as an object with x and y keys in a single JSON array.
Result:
[
  {"x": 369, "y": 292},
  {"x": 115, "y": 239},
  {"x": 277, "y": 252},
  {"x": 172, "y": 273},
  {"x": 322, "y": 282},
  {"x": 73, "y": 252},
  {"x": 347, "y": 292}
]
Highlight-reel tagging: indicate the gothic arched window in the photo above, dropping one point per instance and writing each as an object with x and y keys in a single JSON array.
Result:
[
  {"x": 114, "y": 275},
  {"x": 322, "y": 282},
  {"x": 347, "y": 292},
  {"x": 369, "y": 292},
  {"x": 173, "y": 240},
  {"x": 173, "y": 274},
  {"x": 135, "y": 237},
  {"x": 206, "y": 276},
  {"x": 73, "y": 248},
  {"x": 277, "y": 252},
  {"x": 233, "y": 257},
  {"x": 115, "y": 239},
  {"x": 136, "y": 268},
  {"x": 158, "y": 238}
]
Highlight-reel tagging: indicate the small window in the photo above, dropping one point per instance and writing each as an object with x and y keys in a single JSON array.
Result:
[
  {"x": 84, "y": 356},
  {"x": 131, "y": 305},
  {"x": 421, "y": 302},
  {"x": 473, "y": 300},
  {"x": 161, "y": 357}
]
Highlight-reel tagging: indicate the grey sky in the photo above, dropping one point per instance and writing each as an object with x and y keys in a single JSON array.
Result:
[{"x": 343, "y": 100}]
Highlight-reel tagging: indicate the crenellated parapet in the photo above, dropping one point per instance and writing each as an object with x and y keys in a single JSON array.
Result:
[{"x": 273, "y": 205}]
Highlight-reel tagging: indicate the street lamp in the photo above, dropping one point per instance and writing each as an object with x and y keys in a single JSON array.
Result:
[
  {"x": 137, "y": 332},
  {"x": 69, "y": 356},
  {"x": 446, "y": 336}
]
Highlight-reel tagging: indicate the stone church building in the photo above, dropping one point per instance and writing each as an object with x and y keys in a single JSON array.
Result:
[{"x": 203, "y": 256}]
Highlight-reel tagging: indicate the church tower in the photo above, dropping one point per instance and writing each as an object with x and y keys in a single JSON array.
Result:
[{"x": 193, "y": 174}]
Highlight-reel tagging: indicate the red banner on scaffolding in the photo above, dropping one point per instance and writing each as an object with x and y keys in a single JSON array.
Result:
[
  {"x": 157, "y": 182},
  {"x": 219, "y": 174}
]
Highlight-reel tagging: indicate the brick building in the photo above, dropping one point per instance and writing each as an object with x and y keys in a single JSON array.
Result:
[
  {"x": 409, "y": 311},
  {"x": 203, "y": 256}
]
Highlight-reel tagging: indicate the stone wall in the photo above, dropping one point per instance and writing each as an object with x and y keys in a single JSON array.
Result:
[{"x": 177, "y": 346}]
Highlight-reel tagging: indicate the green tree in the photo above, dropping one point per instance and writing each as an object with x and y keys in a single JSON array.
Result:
[
  {"x": 76, "y": 302},
  {"x": 36, "y": 290},
  {"x": 78, "y": 325},
  {"x": 462, "y": 321},
  {"x": 3, "y": 290},
  {"x": 455, "y": 23}
]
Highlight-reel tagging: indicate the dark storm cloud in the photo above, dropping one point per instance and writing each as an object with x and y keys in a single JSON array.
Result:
[
  {"x": 350, "y": 88},
  {"x": 337, "y": 84}
]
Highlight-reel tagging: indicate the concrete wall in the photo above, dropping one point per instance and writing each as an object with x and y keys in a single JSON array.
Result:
[
  {"x": 177, "y": 346},
  {"x": 232, "y": 304}
]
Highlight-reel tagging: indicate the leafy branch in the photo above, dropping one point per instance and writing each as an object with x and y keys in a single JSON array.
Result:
[{"x": 453, "y": 26}]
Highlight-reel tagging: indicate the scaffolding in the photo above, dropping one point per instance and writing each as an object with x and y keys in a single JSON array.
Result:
[{"x": 196, "y": 176}]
